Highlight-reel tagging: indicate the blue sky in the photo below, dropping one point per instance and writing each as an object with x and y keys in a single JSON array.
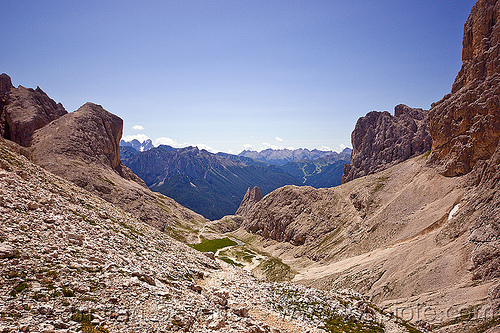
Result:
[{"x": 234, "y": 74}]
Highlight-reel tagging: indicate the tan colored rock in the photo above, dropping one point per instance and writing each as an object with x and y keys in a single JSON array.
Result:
[
  {"x": 24, "y": 110},
  {"x": 252, "y": 196},
  {"x": 6, "y": 251},
  {"x": 381, "y": 140},
  {"x": 465, "y": 125},
  {"x": 216, "y": 321}
]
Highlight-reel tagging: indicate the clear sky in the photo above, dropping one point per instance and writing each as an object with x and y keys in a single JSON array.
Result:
[{"x": 236, "y": 74}]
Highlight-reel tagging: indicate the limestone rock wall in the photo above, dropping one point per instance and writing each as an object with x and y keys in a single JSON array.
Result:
[
  {"x": 381, "y": 140},
  {"x": 465, "y": 125}
]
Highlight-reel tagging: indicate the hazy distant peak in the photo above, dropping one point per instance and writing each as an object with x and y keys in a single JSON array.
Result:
[
  {"x": 137, "y": 145},
  {"x": 284, "y": 156}
]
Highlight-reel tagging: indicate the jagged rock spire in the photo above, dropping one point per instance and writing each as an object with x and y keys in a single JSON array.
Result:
[{"x": 252, "y": 196}]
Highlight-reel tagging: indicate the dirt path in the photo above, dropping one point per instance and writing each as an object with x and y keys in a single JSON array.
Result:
[{"x": 230, "y": 279}]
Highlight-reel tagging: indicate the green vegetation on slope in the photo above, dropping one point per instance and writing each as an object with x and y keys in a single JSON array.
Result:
[
  {"x": 274, "y": 270},
  {"x": 212, "y": 245},
  {"x": 338, "y": 324}
]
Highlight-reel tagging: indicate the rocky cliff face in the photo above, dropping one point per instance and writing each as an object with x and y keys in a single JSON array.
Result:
[
  {"x": 465, "y": 125},
  {"x": 24, "y": 110},
  {"x": 252, "y": 196},
  {"x": 381, "y": 140}
]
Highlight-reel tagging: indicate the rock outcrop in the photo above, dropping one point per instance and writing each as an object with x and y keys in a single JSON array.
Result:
[
  {"x": 252, "y": 196},
  {"x": 465, "y": 128},
  {"x": 465, "y": 125},
  {"x": 24, "y": 110},
  {"x": 282, "y": 215},
  {"x": 381, "y": 140},
  {"x": 89, "y": 134},
  {"x": 83, "y": 147},
  {"x": 5, "y": 83}
]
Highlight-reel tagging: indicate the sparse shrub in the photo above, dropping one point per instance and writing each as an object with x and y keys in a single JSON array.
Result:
[
  {"x": 39, "y": 296},
  {"x": 52, "y": 274},
  {"x": 19, "y": 288},
  {"x": 81, "y": 317},
  {"x": 338, "y": 324},
  {"x": 68, "y": 292},
  {"x": 275, "y": 270}
]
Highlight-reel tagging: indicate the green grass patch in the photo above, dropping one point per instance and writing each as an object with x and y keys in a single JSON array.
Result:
[
  {"x": 68, "y": 292},
  {"x": 239, "y": 254},
  {"x": 212, "y": 245},
  {"x": 130, "y": 228},
  {"x": 337, "y": 324},
  {"x": 85, "y": 319},
  {"x": 107, "y": 180},
  {"x": 274, "y": 270},
  {"x": 380, "y": 183},
  {"x": 230, "y": 261},
  {"x": 38, "y": 296}
]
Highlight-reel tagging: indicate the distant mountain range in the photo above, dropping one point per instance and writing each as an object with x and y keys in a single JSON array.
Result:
[
  {"x": 210, "y": 184},
  {"x": 138, "y": 145},
  {"x": 214, "y": 184},
  {"x": 284, "y": 156},
  {"x": 325, "y": 171}
]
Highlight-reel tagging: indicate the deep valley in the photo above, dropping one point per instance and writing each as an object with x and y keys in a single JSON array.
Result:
[{"x": 400, "y": 234}]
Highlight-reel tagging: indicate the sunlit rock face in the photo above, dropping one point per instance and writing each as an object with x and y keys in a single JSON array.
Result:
[
  {"x": 465, "y": 125},
  {"x": 24, "y": 110},
  {"x": 252, "y": 196},
  {"x": 381, "y": 140}
]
